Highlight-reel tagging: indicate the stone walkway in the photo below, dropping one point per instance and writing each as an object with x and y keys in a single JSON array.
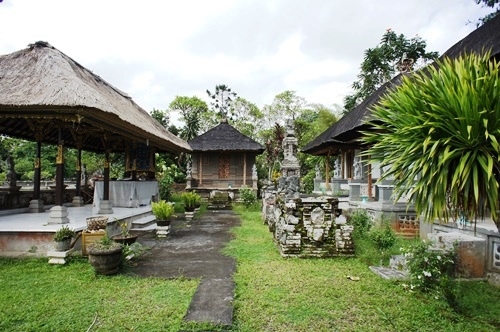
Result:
[{"x": 193, "y": 250}]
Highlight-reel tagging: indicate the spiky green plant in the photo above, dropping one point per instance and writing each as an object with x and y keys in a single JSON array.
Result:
[{"x": 439, "y": 135}]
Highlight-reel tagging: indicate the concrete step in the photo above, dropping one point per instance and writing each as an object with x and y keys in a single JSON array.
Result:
[
  {"x": 143, "y": 222},
  {"x": 148, "y": 228}
]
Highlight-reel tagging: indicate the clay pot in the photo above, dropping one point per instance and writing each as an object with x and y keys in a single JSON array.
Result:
[{"x": 105, "y": 261}]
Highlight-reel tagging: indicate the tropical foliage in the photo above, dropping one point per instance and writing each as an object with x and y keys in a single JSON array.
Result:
[
  {"x": 380, "y": 64},
  {"x": 439, "y": 135}
]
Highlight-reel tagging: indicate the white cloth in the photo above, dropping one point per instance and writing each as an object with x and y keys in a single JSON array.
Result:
[{"x": 127, "y": 193}]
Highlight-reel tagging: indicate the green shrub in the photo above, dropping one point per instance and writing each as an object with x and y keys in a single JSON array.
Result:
[
  {"x": 64, "y": 233},
  {"x": 190, "y": 199},
  {"x": 384, "y": 237},
  {"x": 165, "y": 183},
  {"x": 162, "y": 210},
  {"x": 361, "y": 222},
  {"x": 430, "y": 270},
  {"x": 247, "y": 196}
]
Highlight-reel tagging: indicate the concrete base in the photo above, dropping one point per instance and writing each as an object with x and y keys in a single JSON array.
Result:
[
  {"x": 189, "y": 215},
  {"x": 356, "y": 189},
  {"x": 36, "y": 206},
  {"x": 58, "y": 215},
  {"x": 59, "y": 257},
  {"x": 105, "y": 207},
  {"x": 162, "y": 231},
  {"x": 77, "y": 201}
]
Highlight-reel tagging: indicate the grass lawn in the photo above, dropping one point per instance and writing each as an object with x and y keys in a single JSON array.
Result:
[
  {"x": 288, "y": 294},
  {"x": 272, "y": 294}
]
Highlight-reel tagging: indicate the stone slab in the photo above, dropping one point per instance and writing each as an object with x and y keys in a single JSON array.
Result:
[{"x": 388, "y": 273}]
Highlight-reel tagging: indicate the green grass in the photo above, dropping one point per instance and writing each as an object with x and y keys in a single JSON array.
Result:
[
  {"x": 272, "y": 294},
  {"x": 36, "y": 296},
  {"x": 279, "y": 294}
]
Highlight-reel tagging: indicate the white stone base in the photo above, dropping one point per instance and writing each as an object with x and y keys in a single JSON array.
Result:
[
  {"x": 77, "y": 201},
  {"x": 105, "y": 207},
  {"x": 59, "y": 257},
  {"x": 189, "y": 215},
  {"x": 162, "y": 231},
  {"x": 58, "y": 215},
  {"x": 36, "y": 206}
]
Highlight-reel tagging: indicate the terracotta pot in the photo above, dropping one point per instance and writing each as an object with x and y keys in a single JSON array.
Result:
[
  {"x": 106, "y": 262},
  {"x": 125, "y": 240}
]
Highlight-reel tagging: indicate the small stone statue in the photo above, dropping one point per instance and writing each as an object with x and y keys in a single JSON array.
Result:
[
  {"x": 357, "y": 168},
  {"x": 336, "y": 172},
  {"x": 254, "y": 171},
  {"x": 318, "y": 172},
  {"x": 188, "y": 170},
  {"x": 11, "y": 173}
]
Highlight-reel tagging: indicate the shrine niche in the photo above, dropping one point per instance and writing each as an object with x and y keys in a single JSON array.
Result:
[
  {"x": 223, "y": 159},
  {"x": 140, "y": 161}
]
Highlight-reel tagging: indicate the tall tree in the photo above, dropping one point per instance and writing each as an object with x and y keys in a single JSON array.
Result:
[
  {"x": 247, "y": 117},
  {"x": 161, "y": 116},
  {"x": 493, "y": 4},
  {"x": 191, "y": 110},
  {"x": 286, "y": 105},
  {"x": 222, "y": 101},
  {"x": 380, "y": 64}
]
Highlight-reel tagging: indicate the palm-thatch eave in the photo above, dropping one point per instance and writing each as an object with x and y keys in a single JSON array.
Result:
[{"x": 41, "y": 81}]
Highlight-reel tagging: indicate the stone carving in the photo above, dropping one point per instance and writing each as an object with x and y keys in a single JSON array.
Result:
[
  {"x": 254, "y": 172},
  {"x": 358, "y": 168},
  {"x": 318, "y": 172},
  {"x": 188, "y": 170},
  {"x": 10, "y": 177},
  {"x": 336, "y": 172}
]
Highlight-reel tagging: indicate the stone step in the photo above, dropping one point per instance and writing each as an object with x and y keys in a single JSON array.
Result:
[
  {"x": 147, "y": 228},
  {"x": 144, "y": 222}
]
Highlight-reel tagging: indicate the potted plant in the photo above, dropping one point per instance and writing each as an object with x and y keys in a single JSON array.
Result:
[
  {"x": 62, "y": 238},
  {"x": 125, "y": 237},
  {"x": 190, "y": 200},
  {"x": 105, "y": 256},
  {"x": 163, "y": 212}
]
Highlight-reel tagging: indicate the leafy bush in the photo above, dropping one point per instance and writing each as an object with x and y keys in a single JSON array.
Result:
[
  {"x": 165, "y": 183},
  {"x": 64, "y": 233},
  {"x": 308, "y": 181},
  {"x": 430, "y": 270},
  {"x": 162, "y": 209},
  {"x": 384, "y": 237},
  {"x": 361, "y": 222},
  {"x": 190, "y": 199},
  {"x": 247, "y": 196}
]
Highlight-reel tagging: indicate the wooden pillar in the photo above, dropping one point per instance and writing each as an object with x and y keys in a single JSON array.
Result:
[
  {"x": 78, "y": 172},
  {"x": 38, "y": 171},
  {"x": 244, "y": 169},
  {"x": 370, "y": 194},
  {"x": 60, "y": 170},
  {"x": 200, "y": 172},
  {"x": 327, "y": 171},
  {"x": 105, "y": 195}
]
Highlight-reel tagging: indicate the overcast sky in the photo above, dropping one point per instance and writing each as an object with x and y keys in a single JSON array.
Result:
[{"x": 155, "y": 50}]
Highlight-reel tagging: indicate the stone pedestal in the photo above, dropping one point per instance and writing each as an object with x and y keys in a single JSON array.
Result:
[
  {"x": 58, "y": 215},
  {"x": 58, "y": 257},
  {"x": 337, "y": 185},
  {"x": 36, "y": 206},
  {"x": 385, "y": 193},
  {"x": 162, "y": 231},
  {"x": 77, "y": 201},
  {"x": 105, "y": 207},
  {"x": 356, "y": 189},
  {"x": 189, "y": 215},
  {"x": 317, "y": 185}
]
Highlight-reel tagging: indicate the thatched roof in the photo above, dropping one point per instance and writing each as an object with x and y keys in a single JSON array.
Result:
[
  {"x": 42, "y": 88},
  {"x": 224, "y": 137},
  {"x": 347, "y": 130}
]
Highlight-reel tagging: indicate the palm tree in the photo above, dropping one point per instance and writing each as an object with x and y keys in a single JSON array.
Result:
[{"x": 439, "y": 133}]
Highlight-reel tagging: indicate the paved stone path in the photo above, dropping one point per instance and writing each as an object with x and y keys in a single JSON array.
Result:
[{"x": 193, "y": 250}]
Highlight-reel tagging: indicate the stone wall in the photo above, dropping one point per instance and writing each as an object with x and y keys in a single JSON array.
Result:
[{"x": 307, "y": 227}]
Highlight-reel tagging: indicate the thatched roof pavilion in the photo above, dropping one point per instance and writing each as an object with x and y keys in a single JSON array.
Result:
[
  {"x": 224, "y": 137},
  {"x": 223, "y": 159},
  {"x": 42, "y": 89}
]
